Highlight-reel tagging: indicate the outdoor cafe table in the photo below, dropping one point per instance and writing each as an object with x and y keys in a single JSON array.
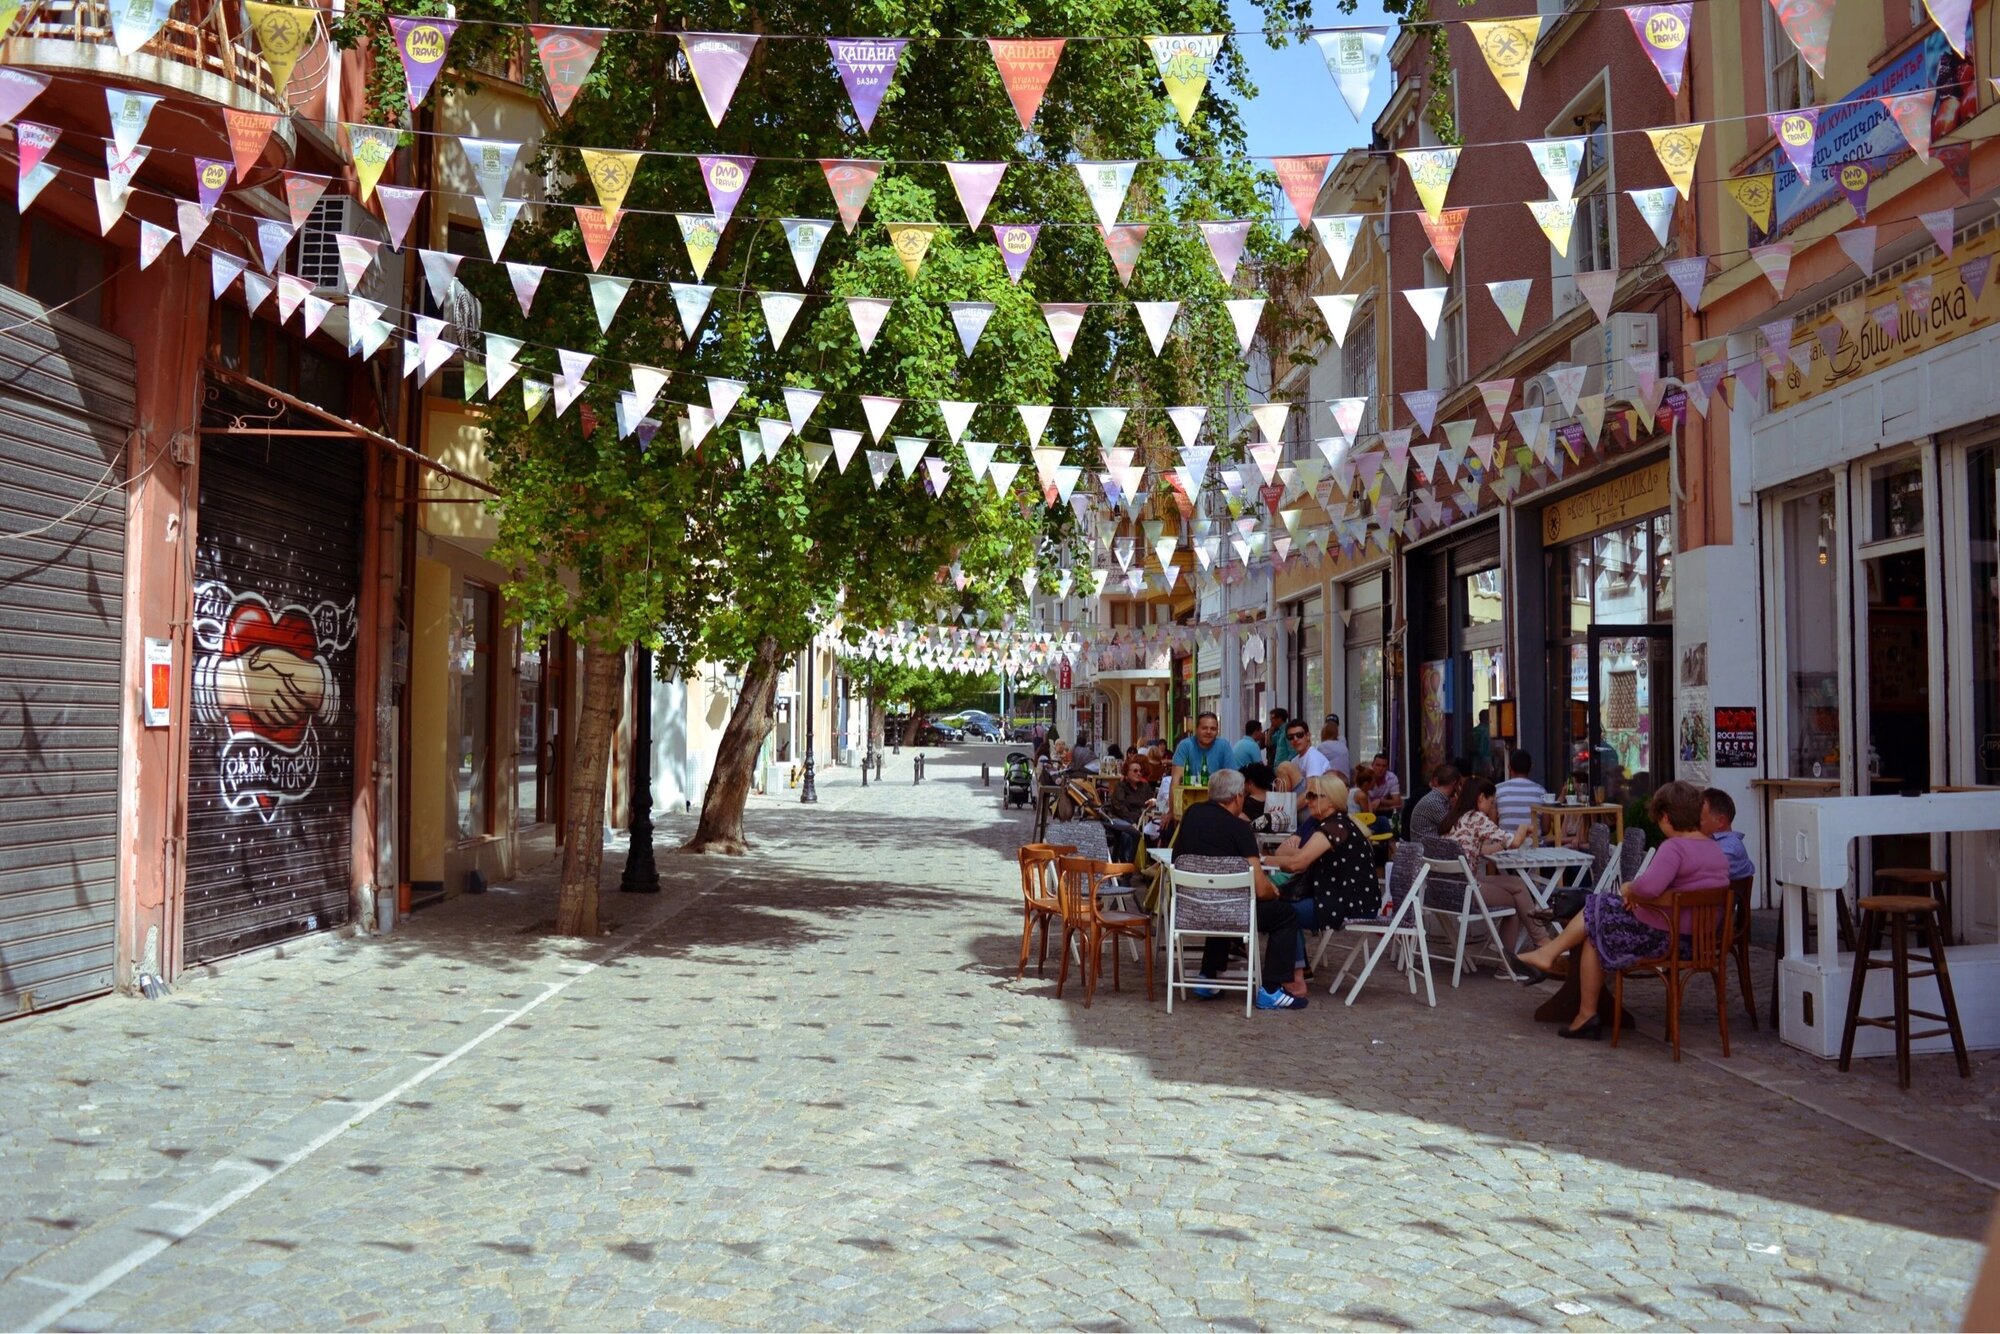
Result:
[
  {"x": 1549, "y": 820},
  {"x": 1557, "y": 863}
]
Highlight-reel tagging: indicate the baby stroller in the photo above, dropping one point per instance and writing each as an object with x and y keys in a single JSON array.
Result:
[{"x": 1017, "y": 779}]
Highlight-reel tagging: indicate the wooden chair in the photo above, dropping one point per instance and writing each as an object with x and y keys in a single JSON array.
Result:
[
  {"x": 1714, "y": 920},
  {"x": 1740, "y": 945},
  {"x": 1039, "y": 901},
  {"x": 1091, "y": 925}
]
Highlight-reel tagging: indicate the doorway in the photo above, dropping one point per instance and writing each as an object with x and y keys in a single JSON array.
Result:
[{"x": 1630, "y": 710}]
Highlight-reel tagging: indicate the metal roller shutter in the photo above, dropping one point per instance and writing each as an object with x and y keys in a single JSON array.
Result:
[
  {"x": 66, "y": 413},
  {"x": 271, "y": 765}
]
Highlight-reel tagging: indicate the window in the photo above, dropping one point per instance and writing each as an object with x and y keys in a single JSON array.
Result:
[
  {"x": 528, "y": 740},
  {"x": 1980, "y": 499},
  {"x": 1812, "y": 665},
  {"x": 1590, "y": 243},
  {"x": 1309, "y": 657},
  {"x": 1787, "y": 81},
  {"x": 473, "y": 627},
  {"x": 1357, "y": 368}
]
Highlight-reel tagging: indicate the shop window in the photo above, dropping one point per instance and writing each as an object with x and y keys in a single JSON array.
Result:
[
  {"x": 1983, "y": 530},
  {"x": 1812, "y": 666},
  {"x": 528, "y": 740},
  {"x": 1309, "y": 657},
  {"x": 1663, "y": 568},
  {"x": 473, "y": 628},
  {"x": 1363, "y": 719},
  {"x": 1896, "y": 501},
  {"x": 1482, "y": 598},
  {"x": 1787, "y": 81}
]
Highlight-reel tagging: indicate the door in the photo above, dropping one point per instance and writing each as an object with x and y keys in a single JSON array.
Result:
[
  {"x": 1631, "y": 710},
  {"x": 66, "y": 413},
  {"x": 277, "y": 571}
]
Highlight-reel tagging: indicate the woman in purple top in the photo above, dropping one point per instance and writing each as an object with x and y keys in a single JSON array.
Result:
[{"x": 1613, "y": 932}]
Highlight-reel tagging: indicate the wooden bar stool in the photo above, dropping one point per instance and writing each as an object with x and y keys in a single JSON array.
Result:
[
  {"x": 1921, "y": 880},
  {"x": 1900, "y": 912}
]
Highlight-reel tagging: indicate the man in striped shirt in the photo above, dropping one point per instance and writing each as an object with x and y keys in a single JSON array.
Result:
[{"x": 1520, "y": 793}]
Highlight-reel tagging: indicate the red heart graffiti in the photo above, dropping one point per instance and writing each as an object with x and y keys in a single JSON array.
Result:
[{"x": 278, "y": 699}]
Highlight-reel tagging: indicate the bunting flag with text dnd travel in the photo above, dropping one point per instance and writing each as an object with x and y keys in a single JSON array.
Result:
[
  {"x": 867, "y": 66},
  {"x": 1184, "y": 62},
  {"x": 422, "y": 44},
  {"x": 1016, "y": 241},
  {"x": 1662, "y": 31},
  {"x": 1509, "y": 48},
  {"x": 717, "y": 60},
  {"x": 567, "y": 55},
  {"x": 1352, "y": 56},
  {"x": 1797, "y": 133},
  {"x": 725, "y": 178}
]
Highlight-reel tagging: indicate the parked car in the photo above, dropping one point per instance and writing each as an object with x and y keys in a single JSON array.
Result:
[
  {"x": 981, "y": 729},
  {"x": 939, "y": 734}
]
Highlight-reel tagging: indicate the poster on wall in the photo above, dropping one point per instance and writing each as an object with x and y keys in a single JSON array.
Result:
[
  {"x": 1694, "y": 741},
  {"x": 1736, "y": 738}
]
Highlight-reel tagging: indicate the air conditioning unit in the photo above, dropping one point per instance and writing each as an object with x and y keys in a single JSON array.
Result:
[
  {"x": 1539, "y": 392},
  {"x": 316, "y": 258},
  {"x": 1607, "y": 350}
]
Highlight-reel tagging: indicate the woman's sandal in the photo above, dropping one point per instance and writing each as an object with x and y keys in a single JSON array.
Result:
[{"x": 1531, "y": 976}]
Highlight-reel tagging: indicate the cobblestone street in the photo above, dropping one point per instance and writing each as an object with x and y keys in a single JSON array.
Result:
[{"x": 804, "y": 1089}]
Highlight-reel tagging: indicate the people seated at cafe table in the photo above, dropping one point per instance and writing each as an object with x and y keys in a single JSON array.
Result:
[
  {"x": 1126, "y": 809},
  {"x": 1330, "y": 863},
  {"x": 1250, "y": 749},
  {"x": 1615, "y": 931},
  {"x": 1258, "y": 780},
  {"x": 1473, "y": 828},
  {"x": 1428, "y": 815},
  {"x": 1311, "y": 760},
  {"x": 1215, "y": 839},
  {"x": 1520, "y": 794},
  {"x": 1201, "y": 756},
  {"x": 1361, "y": 792},
  {"x": 1718, "y": 821},
  {"x": 1289, "y": 779},
  {"x": 1388, "y": 787}
]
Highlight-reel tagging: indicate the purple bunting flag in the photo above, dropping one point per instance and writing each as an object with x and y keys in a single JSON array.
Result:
[
  {"x": 726, "y": 179},
  {"x": 422, "y": 43},
  {"x": 1016, "y": 241},
  {"x": 867, "y": 66}
]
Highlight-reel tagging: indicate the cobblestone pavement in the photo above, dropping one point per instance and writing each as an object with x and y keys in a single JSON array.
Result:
[{"x": 804, "y": 1089}]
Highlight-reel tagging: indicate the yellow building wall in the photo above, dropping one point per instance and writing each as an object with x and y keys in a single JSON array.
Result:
[
  {"x": 430, "y": 722},
  {"x": 455, "y": 436}
]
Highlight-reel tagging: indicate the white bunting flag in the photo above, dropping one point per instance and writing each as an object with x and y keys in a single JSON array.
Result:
[
  {"x": 153, "y": 239},
  {"x": 723, "y": 394},
  {"x": 879, "y": 463},
  {"x": 1511, "y": 296},
  {"x": 1188, "y": 420},
  {"x": 1352, "y": 56},
  {"x": 868, "y": 313},
  {"x": 607, "y": 293},
  {"x": 780, "y": 309},
  {"x": 1244, "y": 313},
  {"x": 1339, "y": 314},
  {"x": 772, "y": 435},
  {"x": 1338, "y": 234},
  {"x": 1559, "y": 161},
  {"x": 690, "y": 303},
  {"x": 1106, "y": 183},
  {"x": 1108, "y": 423},
  {"x": 223, "y": 269},
  {"x": 816, "y": 457},
  {"x": 357, "y": 256},
  {"x": 526, "y": 280},
  {"x": 1002, "y": 476},
  {"x": 937, "y": 473},
  {"x": 492, "y": 162},
  {"x": 957, "y": 416},
  {"x": 799, "y": 405},
  {"x": 1158, "y": 319},
  {"x": 910, "y": 450},
  {"x": 129, "y": 113},
  {"x": 1657, "y": 208},
  {"x": 1568, "y": 381},
  {"x": 193, "y": 223},
  {"x": 805, "y": 236},
  {"x": 1063, "y": 319},
  {"x": 440, "y": 271},
  {"x": 969, "y": 318},
  {"x": 845, "y": 442},
  {"x": 111, "y": 202},
  {"x": 1035, "y": 420},
  {"x": 257, "y": 290},
  {"x": 647, "y": 382},
  {"x": 978, "y": 455},
  {"x": 135, "y": 22},
  {"x": 880, "y": 411},
  {"x": 1428, "y": 302},
  {"x": 293, "y": 290},
  {"x": 497, "y": 221},
  {"x": 975, "y": 183}
]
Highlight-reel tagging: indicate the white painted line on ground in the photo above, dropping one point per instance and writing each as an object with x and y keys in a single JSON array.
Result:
[
  {"x": 47, "y": 1283},
  {"x": 139, "y": 1255}
]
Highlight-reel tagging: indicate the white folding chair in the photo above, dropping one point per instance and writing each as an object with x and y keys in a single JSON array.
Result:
[
  {"x": 1470, "y": 908},
  {"x": 1208, "y": 906},
  {"x": 1403, "y": 928}
]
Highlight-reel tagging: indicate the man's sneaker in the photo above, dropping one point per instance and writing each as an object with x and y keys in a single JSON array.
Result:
[
  {"x": 1207, "y": 993},
  {"x": 1279, "y": 1000}
]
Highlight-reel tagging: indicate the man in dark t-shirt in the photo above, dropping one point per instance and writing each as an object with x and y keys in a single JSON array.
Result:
[{"x": 1216, "y": 829}]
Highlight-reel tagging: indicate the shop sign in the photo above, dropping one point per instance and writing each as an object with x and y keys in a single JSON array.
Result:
[
  {"x": 1961, "y": 302},
  {"x": 1063, "y": 675},
  {"x": 1636, "y": 495},
  {"x": 1736, "y": 738}
]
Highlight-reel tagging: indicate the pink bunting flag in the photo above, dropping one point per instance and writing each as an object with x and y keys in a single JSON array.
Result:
[
  {"x": 1690, "y": 275},
  {"x": 851, "y": 180},
  {"x": 1124, "y": 242},
  {"x": 1957, "y": 160},
  {"x": 1225, "y": 244},
  {"x": 1776, "y": 262},
  {"x": 1808, "y": 23},
  {"x": 599, "y": 231},
  {"x": 1954, "y": 19},
  {"x": 1016, "y": 241},
  {"x": 567, "y": 55},
  {"x": 867, "y": 66},
  {"x": 32, "y": 143},
  {"x": 1445, "y": 231},
  {"x": 1663, "y": 32},
  {"x": 1917, "y": 295},
  {"x": 975, "y": 183},
  {"x": 399, "y": 206},
  {"x": 248, "y": 131},
  {"x": 18, "y": 90},
  {"x": 1943, "y": 227},
  {"x": 717, "y": 60},
  {"x": 1973, "y": 274},
  {"x": 1423, "y": 406},
  {"x": 422, "y": 44},
  {"x": 301, "y": 193},
  {"x": 1299, "y": 176},
  {"x": 1026, "y": 65},
  {"x": 1859, "y": 245},
  {"x": 726, "y": 178},
  {"x": 1912, "y": 114}
]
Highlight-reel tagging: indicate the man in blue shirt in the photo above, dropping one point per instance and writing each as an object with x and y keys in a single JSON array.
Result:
[
  {"x": 1250, "y": 750},
  {"x": 1203, "y": 754},
  {"x": 1718, "y": 820},
  {"x": 1281, "y": 744}
]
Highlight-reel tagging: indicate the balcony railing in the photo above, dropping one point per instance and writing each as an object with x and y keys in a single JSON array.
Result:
[{"x": 76, "y": 34}]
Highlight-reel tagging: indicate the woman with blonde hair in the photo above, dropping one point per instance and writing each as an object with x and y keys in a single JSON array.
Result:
[
  {"x": 1331, "y": 862},
  {"x": 1290, "y": 777}
]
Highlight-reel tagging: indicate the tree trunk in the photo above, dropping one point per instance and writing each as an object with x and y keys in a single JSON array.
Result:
[
  {"x": 721, "y": 825},
  {"x": 583, "y": 831},
  {"x": 878, "y": 721}
]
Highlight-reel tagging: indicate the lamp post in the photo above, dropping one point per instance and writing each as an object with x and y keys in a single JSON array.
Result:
[
  {"x": 808, "y": 794},
  {"x": 642, "y": 875}
]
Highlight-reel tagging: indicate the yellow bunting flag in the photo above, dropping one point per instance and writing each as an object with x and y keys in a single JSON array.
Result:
[
  {"x": 611, "y": 172},
  {"x": 1677, "y": 146},
  {"x": 1184, "y": 63},
  {"x": 1556, "y": 217},
  {"x": 1755, "y": 195},
  {"x": 1509, "y": 48},
  {"x": 284, "y": 32},
  {"x": 912, "y": 241},
  {"x": 1430, "y": 173},
  {"x": 702, "y": 233}
]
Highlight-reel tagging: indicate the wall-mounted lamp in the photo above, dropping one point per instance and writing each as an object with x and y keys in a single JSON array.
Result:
[{"x": 1504, "y": 724}]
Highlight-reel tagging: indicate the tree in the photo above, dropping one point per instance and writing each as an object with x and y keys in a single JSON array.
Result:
[{"x": 705, "y": 559}]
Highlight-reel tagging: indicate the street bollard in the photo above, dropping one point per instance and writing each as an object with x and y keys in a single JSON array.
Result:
[
  {"x": 917, "y": 771},
  {"x": 864, "y": 768},
  {"x": 878, "y": 766},
  {"x": 985, "y": 776}
]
